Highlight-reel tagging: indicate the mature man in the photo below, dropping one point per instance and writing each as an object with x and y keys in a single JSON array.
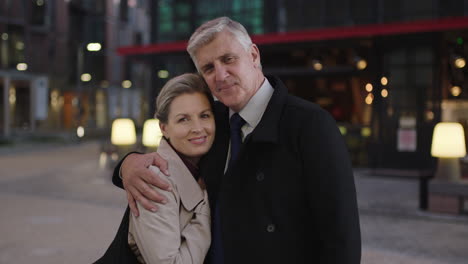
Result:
[{"x": 278, "y": 175}]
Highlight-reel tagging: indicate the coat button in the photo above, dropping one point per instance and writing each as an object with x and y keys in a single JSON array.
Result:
[
  {"x": 260, "y": 176},
  {"x": 270, "y": 228}
]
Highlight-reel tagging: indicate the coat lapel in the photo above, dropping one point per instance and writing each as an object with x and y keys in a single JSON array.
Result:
[
  {"x": 267, "y": 130},
  {"x": 190, "y": 192},
  {"x": 213, "y": 163}
]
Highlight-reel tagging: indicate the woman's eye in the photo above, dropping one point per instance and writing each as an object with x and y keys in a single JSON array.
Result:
[
  {"x": 205, "y": 116},
  {"x": 182, "y": 119}
]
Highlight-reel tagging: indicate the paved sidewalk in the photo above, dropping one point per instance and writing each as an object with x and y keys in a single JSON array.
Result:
[
  {"x": 394, "y": 230},
  {"x": 59, "y": 206}
]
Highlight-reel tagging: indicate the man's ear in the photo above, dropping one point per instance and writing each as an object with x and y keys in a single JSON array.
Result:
[{"x": 255, "y": 54}]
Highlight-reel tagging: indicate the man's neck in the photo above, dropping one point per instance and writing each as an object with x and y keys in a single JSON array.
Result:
[{"x": 258, "y": 85}]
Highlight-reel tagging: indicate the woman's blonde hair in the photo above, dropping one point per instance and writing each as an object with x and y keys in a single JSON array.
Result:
[{"x": 182, "y": 84}]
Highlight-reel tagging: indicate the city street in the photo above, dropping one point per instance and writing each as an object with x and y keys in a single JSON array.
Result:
[{"x": 59, "y": 206}]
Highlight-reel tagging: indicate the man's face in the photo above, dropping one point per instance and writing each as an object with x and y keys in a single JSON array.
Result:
[{"x": 232, "y": 73}]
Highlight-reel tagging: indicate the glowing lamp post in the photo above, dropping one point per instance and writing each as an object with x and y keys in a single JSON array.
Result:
[
  {"x": 448, "y": 144},
  {"x": 123, "y": 132},
  {"x": 151, "y": 133}
]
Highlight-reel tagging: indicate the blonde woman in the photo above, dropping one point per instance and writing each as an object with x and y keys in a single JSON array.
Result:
[{"x": 179, "y": 231}]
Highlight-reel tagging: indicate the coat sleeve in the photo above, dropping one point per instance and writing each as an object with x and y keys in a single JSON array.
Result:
[
  {"x": 161, "y": 240},
  {"x": 330, "y": 189},
  {"x": 116, "y": 179}
]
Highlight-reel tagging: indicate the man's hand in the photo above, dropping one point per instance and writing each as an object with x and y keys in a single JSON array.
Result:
[{"x": 136, "y": 178}]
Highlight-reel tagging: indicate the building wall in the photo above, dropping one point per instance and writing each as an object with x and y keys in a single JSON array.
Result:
[
  {"x": 391, "y": 131},
  {"x": 51, "y": 37}
]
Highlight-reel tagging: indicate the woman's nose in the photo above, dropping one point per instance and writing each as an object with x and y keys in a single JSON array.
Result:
[{"x": 196, "y": 126}]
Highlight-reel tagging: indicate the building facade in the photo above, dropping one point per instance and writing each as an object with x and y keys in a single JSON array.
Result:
[
  {"x": 59, "y": 68},
  {"x": 386, "y": 70}
]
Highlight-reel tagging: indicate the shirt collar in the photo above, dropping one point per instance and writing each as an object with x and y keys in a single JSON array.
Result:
[{"x": 252, "y": 113}]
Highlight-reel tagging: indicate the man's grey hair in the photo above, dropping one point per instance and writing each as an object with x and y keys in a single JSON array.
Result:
[{"x": 208, "y": 31}]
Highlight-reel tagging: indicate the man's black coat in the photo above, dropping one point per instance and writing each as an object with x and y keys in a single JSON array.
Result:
[{"x": 290, "y": 198}]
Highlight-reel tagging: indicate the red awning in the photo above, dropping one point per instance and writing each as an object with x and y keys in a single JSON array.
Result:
[{"x": 318, "y": 34}]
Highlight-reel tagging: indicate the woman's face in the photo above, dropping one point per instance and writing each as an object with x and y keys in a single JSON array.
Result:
[{"x": 190, "y": 126}]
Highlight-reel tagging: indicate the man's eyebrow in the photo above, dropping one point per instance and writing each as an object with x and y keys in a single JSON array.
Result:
[
  {"x": 229, "y": 54},
  {"x": 207, "y": 65}
]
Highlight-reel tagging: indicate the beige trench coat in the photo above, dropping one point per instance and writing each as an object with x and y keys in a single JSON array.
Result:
[{"x": 179, "y": 231}]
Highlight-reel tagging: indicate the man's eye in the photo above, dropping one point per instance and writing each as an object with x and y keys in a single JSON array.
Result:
[
  {"x": 183, "y": 119},
  {"x": 208, "y": 70}
]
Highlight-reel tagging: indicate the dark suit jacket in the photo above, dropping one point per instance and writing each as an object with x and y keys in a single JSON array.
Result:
[
  {"x": 119, "y": 251},
  {"x": 290, "y": 198}
]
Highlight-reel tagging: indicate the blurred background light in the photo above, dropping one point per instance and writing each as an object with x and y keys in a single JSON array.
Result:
[
  {"x": 361, "y": 63},
  {"x": 459, "y": 62},
  {"x": 317, "y": 65},
  {"x": 163, "y": 74},
  {"x": 22, "y": 66},
  {"x": 86, "y": 77},
  {"x": 12, "y": 96},
  {"x": 80, "y": 131},
  {"x": 93, "y": 47},
  {"x": 384, "y": 93},
  {"x": 19, "y": 45},
  {"x": 343, "y": 130},
  {"x": 151, "y": 133},
  {"x": 384, "y": 80},
  {"x": 369, "y": 99},
  {"x": 455, "y": 90},
  {"x": 126, "y": 84},
  {"x": 366, "y": 132},
  {"x": 123, "y": 132}
]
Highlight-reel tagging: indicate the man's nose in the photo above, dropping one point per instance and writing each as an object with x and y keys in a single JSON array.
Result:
[{"x": 221, "y": 73}]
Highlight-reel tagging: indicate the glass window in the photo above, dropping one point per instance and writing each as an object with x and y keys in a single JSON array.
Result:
[
  {"x": 418, "y": 9},
  {"x": 15, "y": 45},
  {"x": 451, "y": 8},
  {"x": 363, "y": 11},
  {"x": 123, "y": 10},
  {"x": 392, "y": 10},
  {"x": 38, "y": 12},
  {"x": 336, "y": 16},
  {"x": 174, "y": 20}
]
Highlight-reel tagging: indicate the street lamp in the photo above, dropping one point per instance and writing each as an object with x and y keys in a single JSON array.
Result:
[{"x": 448, "y": 144}]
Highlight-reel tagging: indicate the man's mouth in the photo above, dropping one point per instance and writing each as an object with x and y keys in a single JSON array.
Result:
[{"x": 224, "y": 86}]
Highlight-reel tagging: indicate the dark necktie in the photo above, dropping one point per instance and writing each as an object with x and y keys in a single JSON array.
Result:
[{"x": 236, "y": 123}]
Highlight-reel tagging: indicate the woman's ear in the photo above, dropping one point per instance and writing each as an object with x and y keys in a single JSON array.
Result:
[{"x": 163, "y": 128}]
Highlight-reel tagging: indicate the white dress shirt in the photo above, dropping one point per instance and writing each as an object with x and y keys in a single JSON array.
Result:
[{"x": 252, "y": 112}]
